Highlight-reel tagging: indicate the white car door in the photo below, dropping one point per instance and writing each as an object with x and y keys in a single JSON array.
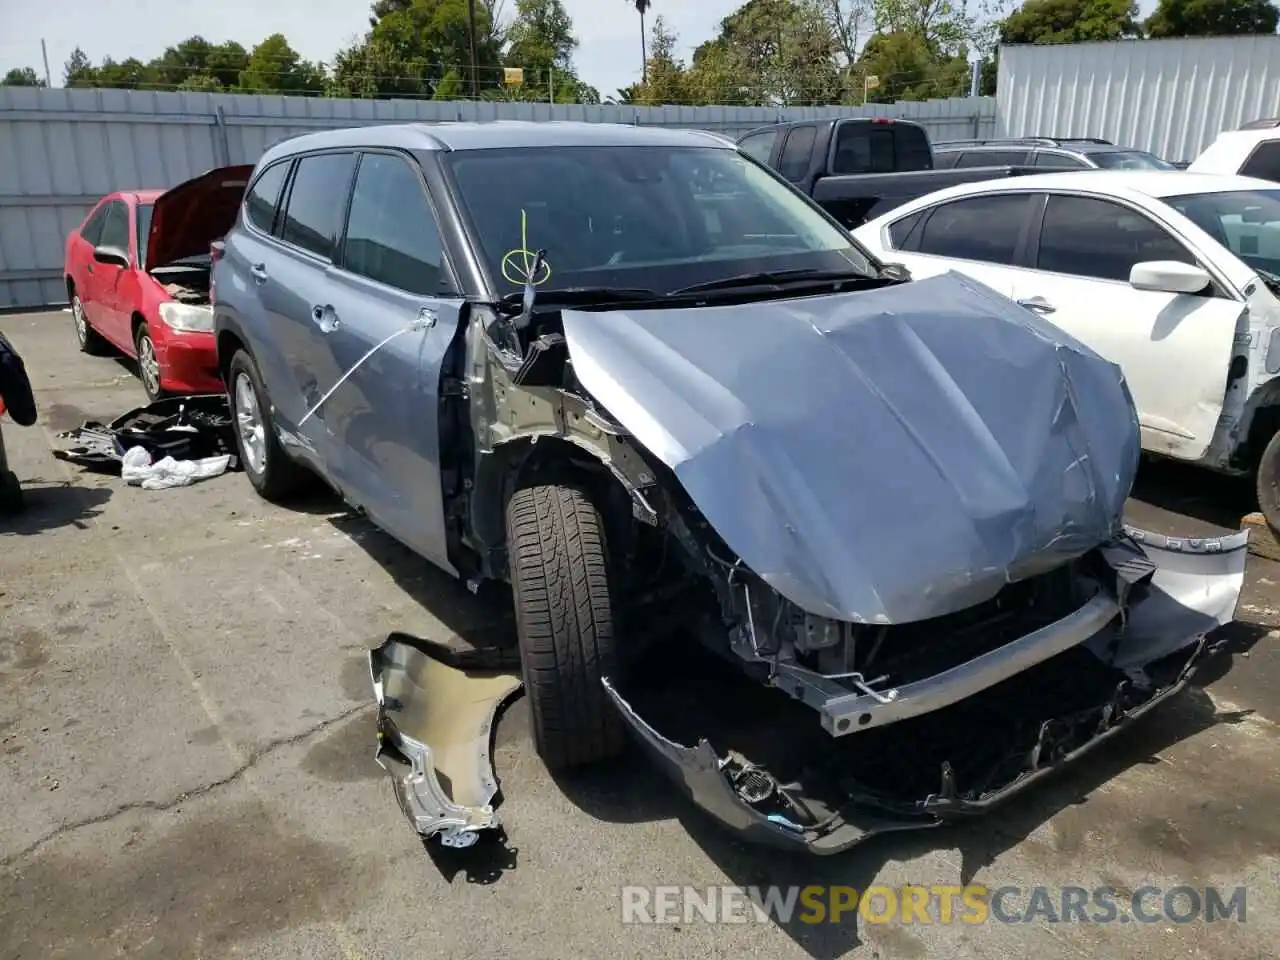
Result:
[
  {"x": 979, "y": 236},
  {"x": 1174, "y": 348}
]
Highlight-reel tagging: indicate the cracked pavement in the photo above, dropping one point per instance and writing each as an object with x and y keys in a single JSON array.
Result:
[{"x": 186, "y": 754}]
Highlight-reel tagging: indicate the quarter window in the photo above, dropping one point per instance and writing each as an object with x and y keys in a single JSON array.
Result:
[
  {"x": 1058, "y": 161},
  {"x": 992, "y": 158},
  {"x": 1264, "y": 162},
  {"x": 316, "y": 200},
  {"x": 392, "y": 236},
  {"x": 115, "y": 227},
  {"x": 977, "y": 228},
  {"x": 899, "y": 231},
  {"x": 260, "y": 205},
  {"x": 1087, "y": 237}
]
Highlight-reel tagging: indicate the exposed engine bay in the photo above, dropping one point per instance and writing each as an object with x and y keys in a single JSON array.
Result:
[
  {"x": 186, "y": 283},
  {"x": 920, "y": 597}
]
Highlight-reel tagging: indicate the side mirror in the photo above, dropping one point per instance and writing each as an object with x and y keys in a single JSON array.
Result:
[
  {"x": 1168, "y": 276},
  {"x": 895, "y": 271},
  {"x": 111, "y": 255}
]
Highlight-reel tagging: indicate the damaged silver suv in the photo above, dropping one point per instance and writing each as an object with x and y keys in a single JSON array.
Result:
[{"x": 664, "y": 396}]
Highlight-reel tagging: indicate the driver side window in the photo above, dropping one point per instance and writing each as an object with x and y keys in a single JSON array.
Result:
[{"x": 1089, "y": 237}]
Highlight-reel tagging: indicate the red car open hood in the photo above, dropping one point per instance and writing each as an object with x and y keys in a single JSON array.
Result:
[{"x": 186, "y": 219}]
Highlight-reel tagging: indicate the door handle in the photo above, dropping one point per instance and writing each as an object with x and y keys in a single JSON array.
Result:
[
  {"x": 326, "y": 318},
  {"x": 1038, "y": 304},
  {"x": 259, "y": 272},
  {"x": 89, "y": 267}
]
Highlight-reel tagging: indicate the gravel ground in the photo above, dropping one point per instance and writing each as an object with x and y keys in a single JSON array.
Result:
[{"x": 186, "y": 755}]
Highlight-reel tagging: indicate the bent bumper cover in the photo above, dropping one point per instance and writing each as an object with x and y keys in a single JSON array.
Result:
[{"x": 1195, "y": 589}]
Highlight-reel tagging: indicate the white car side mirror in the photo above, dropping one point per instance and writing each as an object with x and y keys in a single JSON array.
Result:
[{"x": 1168, "y": 276}]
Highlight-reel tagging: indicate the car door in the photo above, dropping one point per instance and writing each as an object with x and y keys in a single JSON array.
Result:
[
  {"x": 1174, "y": 348},
  {"x": 385, "y": 417},
  {"x": 979, "y": 236},
  {"x": 293, "y": 278},
  {"x": 108, "y": 288}
]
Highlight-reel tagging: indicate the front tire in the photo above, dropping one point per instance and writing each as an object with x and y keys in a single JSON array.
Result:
[
  {"x": 148, "y": 366},
  {"x": 90, "y": 340},
  {"x": 1267, "y": 481},
  {"x": 272, "y": 472},
  {"x": 564, "y": 620}
]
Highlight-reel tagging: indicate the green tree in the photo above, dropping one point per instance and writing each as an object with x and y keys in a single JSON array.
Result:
[
  {"x": 541, "y": 41},
  {"x": 275, "y": 67},
  {"x": 1212, "y": 18},
  {"x": 905, "y": 67},
  {"x": 21, "y": 77},
  {"x": 78, "y": 70},
  {"x": 195, "y": 58},
  {"x": 642, "y": 8},
  {"x": 779, "y": 52},
  {"x": 664, "y": 74},
  {"x": 412, "y": 46},
  {"x": 942, "y": 26},
  {"x": 1071, "y": 21},
  {"x": 129, "y": 74}
]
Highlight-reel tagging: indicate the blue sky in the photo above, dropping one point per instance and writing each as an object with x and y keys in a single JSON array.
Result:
[{"x": 608, "y": 30}]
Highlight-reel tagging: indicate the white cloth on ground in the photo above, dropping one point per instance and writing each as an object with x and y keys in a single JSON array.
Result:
[{"x": 137, "y": 470}]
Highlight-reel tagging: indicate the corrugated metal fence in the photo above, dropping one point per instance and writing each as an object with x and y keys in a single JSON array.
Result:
[
  {"x": 60, "y": 150},
  {"x": 1171, "y": 97}
]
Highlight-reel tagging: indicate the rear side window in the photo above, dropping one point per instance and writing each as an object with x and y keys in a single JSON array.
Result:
[
  {"x": 977, "y": 228},
  {"x": 945, "y": 159},
  {"x": 313, "y": 216},
  {"x": 392, "y": 236},
  {"x": 992, "y": 158},
  {"x": 1264, "y": 162},
  {"x": 759, "y": 146},
  {"x": 260, "y": 205},
  {"x": 794, "y": 162},
  {"x": 1058, "y": 161},
  {"x": 115, "y": 227},
  {"x": 91, "y": 232},
  {"x": 869, "y": 147}
]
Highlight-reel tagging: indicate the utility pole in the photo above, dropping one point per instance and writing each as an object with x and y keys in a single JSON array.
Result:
[
  {"x": 44, "y": 52},
  {"x": 475, "y": 61}
]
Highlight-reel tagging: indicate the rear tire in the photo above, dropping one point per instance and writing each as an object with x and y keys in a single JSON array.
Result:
[
  {"x": 1267, "y": 484},
  {"x": 273, "y": 473},
  {"x": 11, "y": 500},
  {"x": 564, "y": 621},
  {"x": 91, "y": 341}
]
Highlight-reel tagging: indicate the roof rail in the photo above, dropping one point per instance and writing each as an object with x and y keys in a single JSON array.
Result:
[
  {"x": 1269, "y": 123},
  {"x": 1024, "y": 141}
]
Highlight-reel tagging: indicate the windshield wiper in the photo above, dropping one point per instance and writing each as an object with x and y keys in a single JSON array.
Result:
[
  {"x": 582, "y": 296},
  {"x": 773, "y": 278}
]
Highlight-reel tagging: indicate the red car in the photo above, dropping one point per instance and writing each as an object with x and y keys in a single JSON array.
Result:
[{"x": 137, "y": 273}]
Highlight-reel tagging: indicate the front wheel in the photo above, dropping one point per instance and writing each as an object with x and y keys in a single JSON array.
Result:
[
  {"x": 564, "y": 620},
  {"x": 1268, "y": 484},
  {"x": 148, "y": 364}
]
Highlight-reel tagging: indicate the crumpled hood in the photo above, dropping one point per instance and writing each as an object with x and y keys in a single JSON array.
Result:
[
  {"x": 189, "y": 217},
  {"x": 883, "y": 456}
]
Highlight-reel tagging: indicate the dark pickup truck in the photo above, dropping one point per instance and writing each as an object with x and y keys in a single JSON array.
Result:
[{"x": 857, "y": 168}]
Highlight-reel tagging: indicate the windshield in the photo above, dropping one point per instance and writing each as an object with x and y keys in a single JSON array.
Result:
[
  {"x": 144, "y": 230},
  {"x": 1246, "y": 222},
  {"x": 1129, "y": 160},
  {"x": 653, "y": 218}
]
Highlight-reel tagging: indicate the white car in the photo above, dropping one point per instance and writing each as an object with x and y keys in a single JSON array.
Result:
[
  {"x": 1252, "y": 151},
  {"x": 1174, "y": 276}
]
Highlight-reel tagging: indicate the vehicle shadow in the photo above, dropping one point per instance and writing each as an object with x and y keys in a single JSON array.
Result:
[
  {"x": 49, "y": 505},
  {"x": 630, "y": 790},
  {"x": 1190, "y": 491},
  {"x": 482, "y": 620}
]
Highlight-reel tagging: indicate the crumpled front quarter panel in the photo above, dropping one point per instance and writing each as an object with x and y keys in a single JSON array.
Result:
[{"x": 880, "y": 456}]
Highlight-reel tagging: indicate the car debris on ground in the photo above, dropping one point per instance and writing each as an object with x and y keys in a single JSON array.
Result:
[{"x": 170, "y": 443}]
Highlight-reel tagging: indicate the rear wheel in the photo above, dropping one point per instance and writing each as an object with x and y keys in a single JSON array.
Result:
[
  {"x": 148, "y": 365},
  {"x": 90, "y": 340},
  {"x": 272, "y": 472},
  {"x": 10, "y": 493},
  {"x": 564, "y": 619}
]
